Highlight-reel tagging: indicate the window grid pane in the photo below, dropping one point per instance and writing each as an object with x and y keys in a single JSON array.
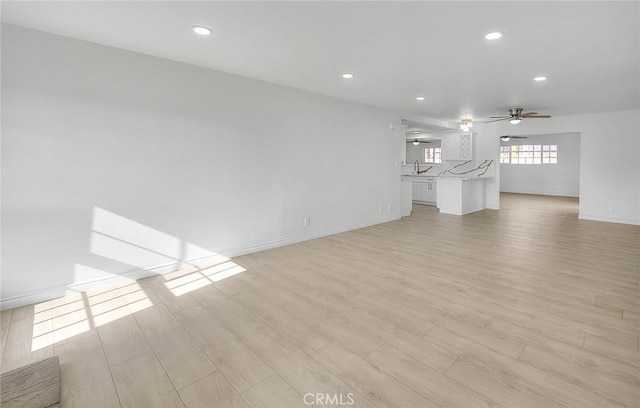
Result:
[
  {"x": 433, "y": 155},
  {"x": 437, "y": 155},
  {"x": 529, "y": 154},
  {"x": 505, "y": 153}
]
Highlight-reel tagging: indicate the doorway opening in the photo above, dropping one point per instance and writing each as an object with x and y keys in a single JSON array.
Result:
[{"x": 542, "y": 165}]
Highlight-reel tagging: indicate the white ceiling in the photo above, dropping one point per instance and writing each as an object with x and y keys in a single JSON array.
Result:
[
  {"x": 398, "y": 50},
  {"x": 428, "y": 128}
]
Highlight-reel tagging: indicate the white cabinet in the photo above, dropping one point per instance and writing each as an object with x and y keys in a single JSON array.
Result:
[
  {"x": 424, "y": 190},
  {"x": 429, "y": 192},
  {"x": 457, "y": 147},
  {"x": 417, "y": 191}
]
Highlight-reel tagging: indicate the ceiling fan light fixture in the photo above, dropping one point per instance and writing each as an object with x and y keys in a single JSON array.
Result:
[
  {"x": 466, "y": 124},
  {"x": 201, "y": 30},
  {"x": 515, "y": 121},
  {"x": 505, "y": 138},
  {"x": 494, "y": 35},
  {"x": 415, "y": 142}
]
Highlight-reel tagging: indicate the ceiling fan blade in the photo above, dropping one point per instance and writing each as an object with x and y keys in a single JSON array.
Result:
[
  {"x": 496, "y": 117},
  {"x": 539, "y": 117},
  {"x": 506, "y": 138},
  {"x": 529, "y": 114},
  {"x": 498, "y": 120}
]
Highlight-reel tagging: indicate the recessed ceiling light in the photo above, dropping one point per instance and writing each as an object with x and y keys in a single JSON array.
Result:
[
  {"x": 540, "y": 78},
  {"x": 494, "y": 35},
  {"x": 201, "y": 30},
  {"x": 415, "y": 132},
  {"x": 419, "y": 98},
  {"x": 348, "y": 75}
]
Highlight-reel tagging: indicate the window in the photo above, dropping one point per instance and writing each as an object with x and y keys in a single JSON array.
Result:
[
  {"x": 505, "y": 153},
  {"x": 529, "y": 154},
  {"x": 550, "y": 154},
  {"x": 433, "y": 155}
]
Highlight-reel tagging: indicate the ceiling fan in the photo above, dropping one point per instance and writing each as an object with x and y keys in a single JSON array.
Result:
[
  {"x": 506, "y": 138},
  {"x": 516, "y": 116},
  {"x": 417, "y": 142}
]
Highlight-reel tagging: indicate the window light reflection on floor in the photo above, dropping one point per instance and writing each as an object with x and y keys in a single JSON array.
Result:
[
  {"x": 96, "y": 297},
  {"x": 203, "y": 277},
  {"x": 77, "y": 313},
  {"x": 80, "y": 312}
]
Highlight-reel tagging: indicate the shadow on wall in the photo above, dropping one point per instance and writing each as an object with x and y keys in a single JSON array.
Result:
[{"x": 98, "y": 297}]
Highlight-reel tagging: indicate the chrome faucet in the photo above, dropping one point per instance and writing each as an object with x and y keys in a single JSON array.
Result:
[{"x": 416, "y": 168}]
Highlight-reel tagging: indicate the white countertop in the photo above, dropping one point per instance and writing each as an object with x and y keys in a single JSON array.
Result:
[
  {"x": 463, "y": 178},
  {"x": 448, "y": 177}
]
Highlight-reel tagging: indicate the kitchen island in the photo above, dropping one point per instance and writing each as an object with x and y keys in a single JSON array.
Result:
[
  {"x": 456, "y": 187},
  {"x": 460, "y": 195}
]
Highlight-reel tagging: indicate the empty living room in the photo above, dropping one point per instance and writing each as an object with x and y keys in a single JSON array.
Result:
[{"x": 320, "y": 204}]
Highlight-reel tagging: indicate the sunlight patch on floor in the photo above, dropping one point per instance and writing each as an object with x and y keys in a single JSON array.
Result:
[
  {"x": 203, "y": 277},
  {"x": 96, "y": 297},
  {"x": 77, "y": 313}
]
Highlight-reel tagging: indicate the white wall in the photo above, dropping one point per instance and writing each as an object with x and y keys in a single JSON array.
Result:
[
  {"x": 561, "y": 179},
  {"x": 113, "y": 162},
  {"x": 609, "y": 160},
  {"x": 417, "y": 152}
]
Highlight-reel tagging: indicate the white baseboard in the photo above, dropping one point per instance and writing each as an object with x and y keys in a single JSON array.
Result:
[
  {"x": 609, "y": 219},
  {"x": 306, "y": 237},
  {"x": 542, "y": 194},
  {"x": 53, "y": 293}
]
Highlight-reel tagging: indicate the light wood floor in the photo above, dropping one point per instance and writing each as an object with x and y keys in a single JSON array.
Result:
[{"x": 523, "y": 307}]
